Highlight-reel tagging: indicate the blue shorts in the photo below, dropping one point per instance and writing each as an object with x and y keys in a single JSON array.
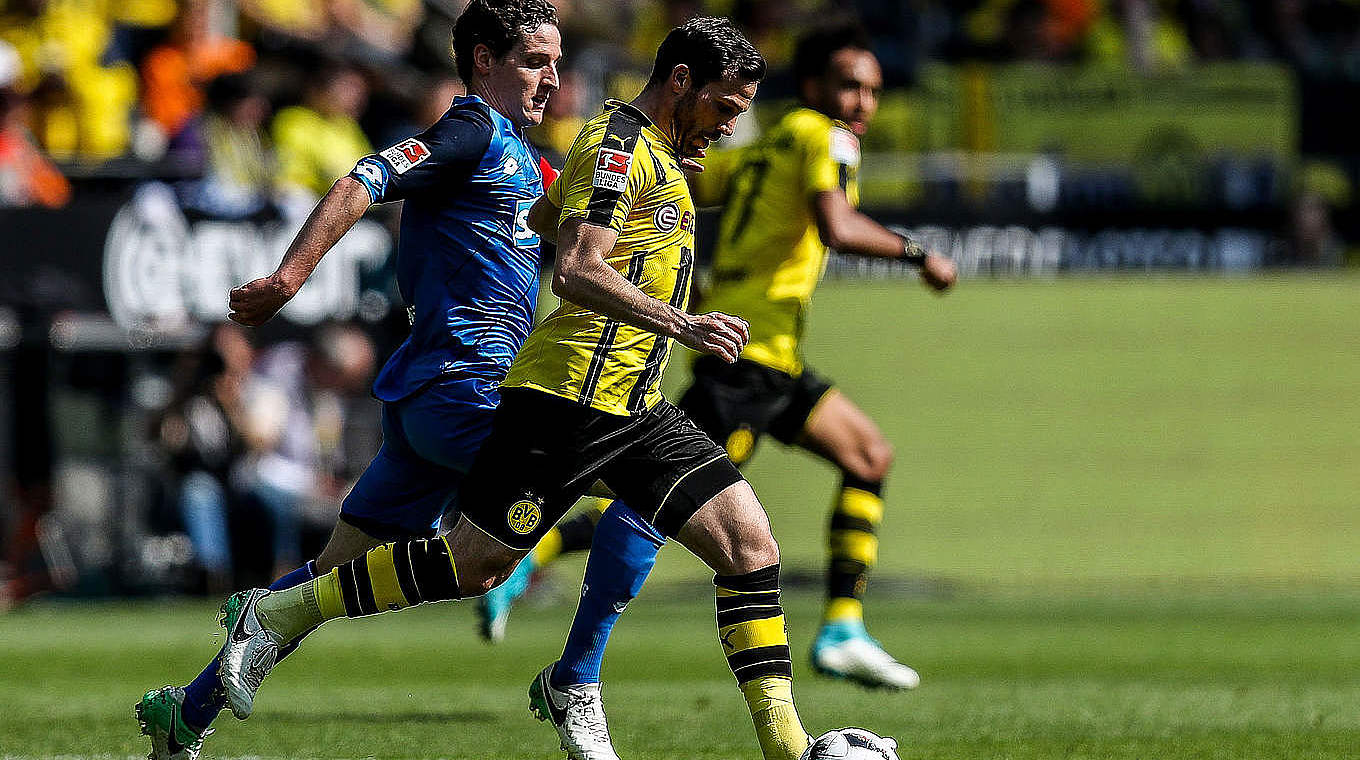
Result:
[{"x": 429, "y": 441}]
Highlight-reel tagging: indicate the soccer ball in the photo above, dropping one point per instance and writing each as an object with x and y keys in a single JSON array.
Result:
[{"x": 851, "y": 744}]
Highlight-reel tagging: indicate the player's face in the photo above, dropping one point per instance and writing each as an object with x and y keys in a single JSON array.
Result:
[
  {"x": 710, "y": 113},
  {"x": 850, "y": 88},
  {"x": 523, "y": 80}
]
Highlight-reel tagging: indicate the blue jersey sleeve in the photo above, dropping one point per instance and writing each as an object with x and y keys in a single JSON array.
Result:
[{"x": 446, "y": 153}]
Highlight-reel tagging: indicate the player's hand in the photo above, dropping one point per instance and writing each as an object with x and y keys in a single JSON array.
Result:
[
  {"x": 939, "y": 272},
  {"x": 257, "y": 301},
  {"x": 722, "y": 335}
]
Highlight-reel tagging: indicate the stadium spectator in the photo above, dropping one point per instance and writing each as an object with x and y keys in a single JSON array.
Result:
[
  {"x": 294, "y": 428},
  {"x": 175, "y": 74},
  {"x": 201, "y": 430},
  {"x": 238, "y": 166},
  {"x": 285, "y": 24},
  {"x": 376, "y": 30},
  {"x": 27, "y": 177},
  {"x": 81, "y": 107},
  {"x": 138, "y": 27},
  {"x": 320, "y": 139}
]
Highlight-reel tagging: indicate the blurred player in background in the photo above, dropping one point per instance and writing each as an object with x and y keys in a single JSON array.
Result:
[
  {"x": 467, "y": 265},
  {"x": 786, "y": 199}
]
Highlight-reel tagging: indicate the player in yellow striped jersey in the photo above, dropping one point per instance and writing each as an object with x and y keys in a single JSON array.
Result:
[
  {"x": 785, "y": 199},
  {"x": 788, "y": 198}
]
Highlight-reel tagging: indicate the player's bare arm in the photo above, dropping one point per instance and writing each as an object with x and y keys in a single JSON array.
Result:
[
  {"x": 582, "y": 277},
  {"x": 257, "y": 301},
  {"x": 847, "y": 230},
  {"x": 543, "y": 216}
]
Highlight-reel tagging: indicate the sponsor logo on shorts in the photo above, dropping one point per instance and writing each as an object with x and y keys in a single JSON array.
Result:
[
  {"x": 523, "y": 517},
  {"x": 611, "y": 169},
  {"x": 666, "y": 217},
  {"x": 406, "y": 155}
]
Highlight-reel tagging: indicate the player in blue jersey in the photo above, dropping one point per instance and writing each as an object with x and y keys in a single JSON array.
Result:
[{"x": 467, "y": 266}]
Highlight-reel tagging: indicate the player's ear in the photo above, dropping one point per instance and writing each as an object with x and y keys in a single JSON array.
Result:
[
  {"x": 482, "y": 59},
  {"x": 681, "y": 79}
]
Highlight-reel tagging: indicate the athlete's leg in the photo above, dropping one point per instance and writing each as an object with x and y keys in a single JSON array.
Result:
[
  {"x": 204, "y": 698},
  {"x": 390, "y": 577},
  {"x": 571, "y": 535},
  {"x": 843, "y": 434},
  {"x": 731, "y": 534},
  {"x": 622, "y": 556},
  {"x": 840, "y": 432}
]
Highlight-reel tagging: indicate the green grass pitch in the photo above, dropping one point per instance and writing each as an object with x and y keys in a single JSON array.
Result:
[{"x": 1123, "y": 524}]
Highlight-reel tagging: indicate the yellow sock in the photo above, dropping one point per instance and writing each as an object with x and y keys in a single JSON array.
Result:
[
  {"x": 388, "y": 577},
  {"x": 778, "y": 728},
  {"x": 852, "y": 546},
  {"x": 841, "y": 609},
  {"x": 549, "y": 547},
  {"x": 293, "y": 611}
]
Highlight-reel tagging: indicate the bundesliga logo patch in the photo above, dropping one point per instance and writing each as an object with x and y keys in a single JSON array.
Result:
[
  {"x": 406, "y": 155},
  {"x": 844, "y": 147},
  {"x": 611, "y": 170}
]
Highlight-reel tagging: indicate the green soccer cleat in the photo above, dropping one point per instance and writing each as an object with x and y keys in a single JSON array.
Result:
[
  {"x": 159, "y": 715},
  {"x": 493, "y": 608},
  {"x": 249, "y": 653}
]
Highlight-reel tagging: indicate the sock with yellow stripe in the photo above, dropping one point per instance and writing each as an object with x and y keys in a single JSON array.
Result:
[
  {"x": 853, "y": 547},
  {"x": 751, "y": 629},
  {"x": 388, "y": 577}
]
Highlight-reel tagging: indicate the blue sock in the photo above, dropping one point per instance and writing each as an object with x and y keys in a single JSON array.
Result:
[
  {"x": 203, "y": 700},
  {"x": 621, "y": 555}
]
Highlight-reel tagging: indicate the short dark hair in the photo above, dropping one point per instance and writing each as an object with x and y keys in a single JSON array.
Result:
[
  {"x": 712, "y": 48},
  {"x": 812, "y": 56},
  {"x": 498, "y": 24}
]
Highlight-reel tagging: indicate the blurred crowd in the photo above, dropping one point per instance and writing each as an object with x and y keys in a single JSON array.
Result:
[
  {"x": 260, "y": 435},
  {"x": 261, "y": 97}
]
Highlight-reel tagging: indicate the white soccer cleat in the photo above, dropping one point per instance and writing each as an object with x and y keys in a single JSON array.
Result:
[
  {"x": 249, "y": 653},
  {"x": 577, "y": 713},
  {"x": 846, "y": 651}
]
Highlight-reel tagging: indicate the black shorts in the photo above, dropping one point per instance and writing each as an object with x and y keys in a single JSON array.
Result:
[
  {"x": 544, "y": 453},
  {"x": 739, "y": 402}
]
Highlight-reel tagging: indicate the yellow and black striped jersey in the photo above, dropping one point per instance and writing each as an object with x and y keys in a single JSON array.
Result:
[
  {"x": 769, "y": 256},
  {"x": 623, "y": 173}
]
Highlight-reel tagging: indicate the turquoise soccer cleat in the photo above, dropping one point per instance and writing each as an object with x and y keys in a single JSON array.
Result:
[{"x": 844, "y": 649}]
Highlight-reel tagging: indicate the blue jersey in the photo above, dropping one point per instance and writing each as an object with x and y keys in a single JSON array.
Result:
[{"x": 467, "y": 262}]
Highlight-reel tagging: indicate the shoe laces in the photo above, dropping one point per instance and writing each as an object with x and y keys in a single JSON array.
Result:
[{"x": 587, "y": 712}]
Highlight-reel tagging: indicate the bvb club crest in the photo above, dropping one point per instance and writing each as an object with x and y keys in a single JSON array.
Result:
[{"x": 523, "y": 517}]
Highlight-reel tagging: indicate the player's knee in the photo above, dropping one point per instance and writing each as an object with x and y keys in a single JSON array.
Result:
[
  {"x": 753, "y": 553},
  {"x": 872, "y": 461},
  {"x": 880, "y": 458}
]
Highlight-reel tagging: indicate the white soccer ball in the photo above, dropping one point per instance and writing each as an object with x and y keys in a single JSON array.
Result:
[{"x": 851, "y": 744}]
